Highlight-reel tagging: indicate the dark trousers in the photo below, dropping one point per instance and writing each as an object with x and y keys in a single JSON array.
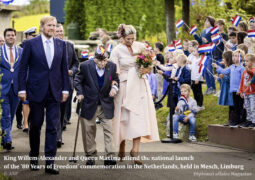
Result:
[
  {"x": 69, "y": 107},
  {"x": 197, "y": 91},
  {"x": 19, "y": 115},
  {"x": 36, "y": 118},
  {"x": 237, "y": 113}
]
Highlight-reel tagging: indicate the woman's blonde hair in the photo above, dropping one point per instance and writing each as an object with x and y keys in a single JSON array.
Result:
[{"x": 125, "y": 30}]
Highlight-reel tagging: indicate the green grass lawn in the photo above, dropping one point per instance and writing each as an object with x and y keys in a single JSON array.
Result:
[
  {"x": 213, "y": 114},
  {"x": 26, "y": 22}
]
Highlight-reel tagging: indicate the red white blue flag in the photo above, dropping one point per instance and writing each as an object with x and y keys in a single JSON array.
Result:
[
  {"x": 179, "y": 23},
  {"x": 252, "y": 20},
  {"x": 215, "y": 38},
  {"x": 214, "y": 30},
  {"x": 206, "y": 48},
  {"x": 171, "y": 48},
  {"x": 178, "y": 45},
  {"x": 91, "y": 57},
  {"x": 193, "y": 29},
  {"x": 236, "y": 20},
  {"x": 109, "y": 48},
  {"x": 202, "y": 64},
  {"x": 251, "y": 33},
  {"x": 84, "y": 54}
]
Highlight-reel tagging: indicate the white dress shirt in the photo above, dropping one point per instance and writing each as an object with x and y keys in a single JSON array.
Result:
[
  {"x": 8, "y": 52},
  {"x": 44, "y": 39},
  {"x": 100, "y": 72}
]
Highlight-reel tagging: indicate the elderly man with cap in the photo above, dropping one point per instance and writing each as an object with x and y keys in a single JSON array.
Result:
[
  {"x": 24, "y": 105},
  {"x": 97, "y": 83}
]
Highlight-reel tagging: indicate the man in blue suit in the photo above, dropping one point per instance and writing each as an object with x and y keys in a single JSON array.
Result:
[
  {"x": 9, "y": 66},
  {"x": 45, "y": 86}
]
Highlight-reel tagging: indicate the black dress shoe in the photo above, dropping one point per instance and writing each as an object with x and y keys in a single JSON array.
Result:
[
  {"x": 64, "y": 128},
  {"x": 51, "y": 170},
  {"x": 25, "y": 130},
  {"x": 110, "y": 162},
  {"x": 8, "y": 146},
  {"x": 34, "y": 165},
  {"x": 68, "y": 122},
  {"x": 59, "y": 144},
  {"x": 246, "y": 124},
  {"x": 4, "y": 145},
  {"x": 252, "y": 125},
  {"x": 90, "y": 162},
  {"x": 19, "y": 126}
]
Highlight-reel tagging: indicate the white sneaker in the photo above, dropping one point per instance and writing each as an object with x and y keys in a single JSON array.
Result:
[
  {"x": 175, "y": 136},
  {"x": 192, "y": 138}
]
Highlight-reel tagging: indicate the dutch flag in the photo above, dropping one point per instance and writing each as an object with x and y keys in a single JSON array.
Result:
[
  {"x": 236, "y": 20},
  {"x": 206, "y": 48},
  {"x": 109, "y": 48},
  {"x": 193, "y": 29},
  {"x": 214, "y": 30},
  {"x": 6, "y": 2},
  {"x": 202, "y": 64},
  {"x": 178, "y": 45},
  {"x": 91, "y": 57},
  {"x": 171, "y": 48},
  {"x": 179, "y": 23},
  {"x": 251, "y": 33},
  {"x": 215, "y": 38},
  {"x": 84, "y": 54}
]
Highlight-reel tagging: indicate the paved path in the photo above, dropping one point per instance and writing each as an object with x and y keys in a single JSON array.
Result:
[{"x": 184, "y": 161}]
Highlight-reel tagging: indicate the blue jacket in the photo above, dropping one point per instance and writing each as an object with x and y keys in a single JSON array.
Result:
[
  {"x": 9, "y": 77},
  {"x": 40, "y": 77}
]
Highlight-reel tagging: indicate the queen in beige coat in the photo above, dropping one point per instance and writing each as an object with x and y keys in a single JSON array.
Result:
[{"x": 135, "y": 116}]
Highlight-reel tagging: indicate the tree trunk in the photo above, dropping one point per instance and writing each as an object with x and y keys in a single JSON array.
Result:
[
  {"x": 170, "y": 20},
  {"x": 185, "y": 13}
]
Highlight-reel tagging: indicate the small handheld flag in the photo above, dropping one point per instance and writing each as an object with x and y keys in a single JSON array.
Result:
[
  {"x": 201, "y": 64},
  {"x": 171, "y": 48},
  {"x": 193, "y": 29},
  {"x": 236, "y": 20},
  {"x": 109, "y": 48},
  {"x": 251, "y": 33},
  {"x": 84, "y": 54},
  {"x": 178, "y": 45},
  {"x": 214, "y": 30},
  {"x": 100, "y": 50},
  {"x": 215, "y": 38},
  {"x": 252, "y": 20},
  {"x": 91, "y": 57},
  {"x": 179, "y": 23},
  {"x": 206, "y": 48}
]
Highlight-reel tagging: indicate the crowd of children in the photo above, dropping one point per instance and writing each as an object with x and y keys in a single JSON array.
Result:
[{"x": 234, "y": 63}]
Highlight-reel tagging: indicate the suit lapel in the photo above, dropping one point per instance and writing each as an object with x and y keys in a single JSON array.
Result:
[
  {"x": 42, "y": 52},
  {"x": 94, "y": 73},
  {"x": 106, "y": 75},
  {"x": 4, "y": 60}
]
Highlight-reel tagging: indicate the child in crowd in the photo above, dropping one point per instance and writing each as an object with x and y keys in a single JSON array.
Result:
[
  {"x": 153, "y": 84},
  {"x": 233, "y": 41},
  {"x": 158, "y": 48},
  {"x": 226, "y": 97},
  {"x": 237, "y": 113},
  {"x": 243, "y": 47},
  {"x": 228, "y": 43},
  {"x": 186, "y": 47},
  {"x": 185, "y": 112},
  {"x": 221, "y": 23},
  {"x": 240, "y": 37},
  {"x": 242, "y": 26},
  {"x": 196, "y": 77},
  {"x": 250, "y": 43},
  {"x": 247, "y": 90},
  {"x": 205, "y": 38}
]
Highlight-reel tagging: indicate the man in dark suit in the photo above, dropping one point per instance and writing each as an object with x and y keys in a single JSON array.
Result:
[
  {"x": 97, "y": 83},
  {"x": 9, "y": 67},
  {"x": 73, "y": 64},
  {"x": 45, "y": 86}
]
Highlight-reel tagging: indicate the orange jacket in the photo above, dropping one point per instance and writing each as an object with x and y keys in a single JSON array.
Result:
[{"x": 246, "y": 77}]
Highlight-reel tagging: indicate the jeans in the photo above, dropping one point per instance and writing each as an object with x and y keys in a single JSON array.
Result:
[
  {"x": 180, "y": 118},
  {"x": 249, "y": 104},
  {"x": 208, "y": 75}
]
